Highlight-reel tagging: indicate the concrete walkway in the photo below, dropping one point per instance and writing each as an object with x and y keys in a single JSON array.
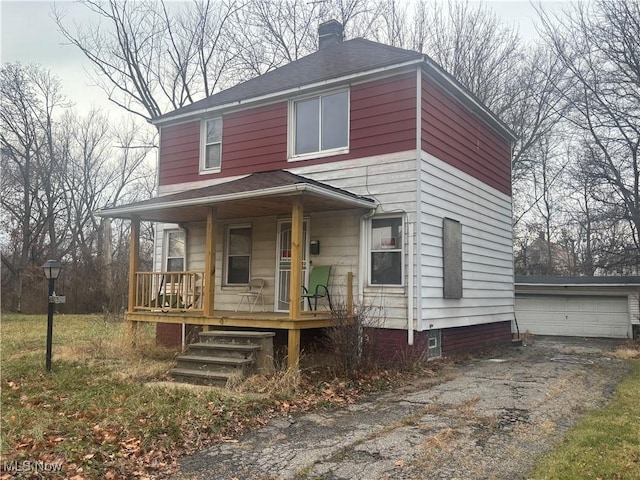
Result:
[{"x": 489, "y": 418}]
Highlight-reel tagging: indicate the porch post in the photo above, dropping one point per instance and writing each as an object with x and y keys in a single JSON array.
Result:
[
  {"x": 350, "y": 293},
  {"x": 293, "y": 347},
  {"x": 209, "y": 279},
  {"x": 295, "y": 282},
  {"x": 134, "y": 265},
  {"x": 134, "y": 261}
]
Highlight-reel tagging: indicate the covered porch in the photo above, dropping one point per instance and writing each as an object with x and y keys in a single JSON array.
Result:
[{"x": 189, "y": 296}]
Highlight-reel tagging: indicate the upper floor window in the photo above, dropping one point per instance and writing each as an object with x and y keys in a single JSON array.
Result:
[
  {"x": 386, "y": 251},
  {"x": 320, "y": 124},
  {"x": 211, "y": 144}
]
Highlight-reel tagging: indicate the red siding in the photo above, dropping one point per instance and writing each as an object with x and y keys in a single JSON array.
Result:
[
  {"x": 179, "y": 153},
  {"x": 390, "y": 346},
  {"x": 170, "y": 334},
  {"x": 383, "y": 116},
  {"x": 382, "y": 121},
  {"x": 466, "y": 339},
  {"x": 454, "y": 134},
  {"x": 254, "y": 140}
]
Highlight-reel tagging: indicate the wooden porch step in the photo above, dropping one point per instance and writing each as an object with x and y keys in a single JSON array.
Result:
[
  {"x": 211, "y": 363},
  {"x": 234, "y": 336},
  {"x": 236, "y": 350},
  {"x": 221, "y": 354},
  {"x": 202, "y": 377}
]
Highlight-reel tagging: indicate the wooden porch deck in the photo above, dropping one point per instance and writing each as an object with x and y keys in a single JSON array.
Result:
[
  {"x": 262, "y": 320},
  {"x": 227, "y": 318}
]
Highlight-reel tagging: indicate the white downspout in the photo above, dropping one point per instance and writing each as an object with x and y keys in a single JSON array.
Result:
[
  {"x": 418, "y": 216},
  {"x": 410, "y": 287}
]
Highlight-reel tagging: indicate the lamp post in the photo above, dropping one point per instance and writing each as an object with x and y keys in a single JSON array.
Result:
[{"x": 52, "y": 269}]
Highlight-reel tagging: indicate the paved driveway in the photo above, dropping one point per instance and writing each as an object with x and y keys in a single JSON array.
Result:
[{"x": 488, "y": 419}]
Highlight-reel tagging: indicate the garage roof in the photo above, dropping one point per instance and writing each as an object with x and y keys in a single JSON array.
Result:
[{"x": 556, "y": 280}]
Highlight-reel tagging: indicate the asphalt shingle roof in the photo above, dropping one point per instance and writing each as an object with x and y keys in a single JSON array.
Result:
[
  {"x": 256, "y": 183},
  {"x": 341, "y": 59}
]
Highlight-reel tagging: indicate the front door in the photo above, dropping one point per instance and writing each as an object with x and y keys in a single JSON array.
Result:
[{"x": 283, "y": 262}]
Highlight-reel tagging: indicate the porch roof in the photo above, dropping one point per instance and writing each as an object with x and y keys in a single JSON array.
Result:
[{"x": 258, "y": 194}]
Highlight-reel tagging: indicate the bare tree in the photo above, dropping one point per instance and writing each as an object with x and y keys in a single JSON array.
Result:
[
  {"x": 547, "y": 181},
  {"x": 31, "y": 191},
  {"x": 57, "y": 169},
  {"x": 599, "y": 44},
  {"x": 474, "y": 46},
  {"x": 151, "y": 57}
]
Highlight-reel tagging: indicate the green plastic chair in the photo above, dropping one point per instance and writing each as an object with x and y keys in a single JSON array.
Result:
[{"x": 318, "y": 286}]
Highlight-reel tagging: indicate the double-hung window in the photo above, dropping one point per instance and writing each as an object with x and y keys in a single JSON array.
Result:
[
  {"x": 176, "y": 250},
  {"x": 320, "y": 124},
  {"x": 386, "y": 251},
  {"x": 211, "y": 145},
  {"x": 238, "y": 254}
]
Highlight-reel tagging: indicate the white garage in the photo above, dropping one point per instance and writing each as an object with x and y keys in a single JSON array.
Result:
[{"x": 578, "y": 306}]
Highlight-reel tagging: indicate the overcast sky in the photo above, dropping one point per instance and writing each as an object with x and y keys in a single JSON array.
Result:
[{"x": 29, "y": 35}]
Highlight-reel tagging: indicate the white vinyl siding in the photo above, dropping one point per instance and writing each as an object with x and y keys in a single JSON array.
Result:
[
  {"x": 339, "y": 236},
  {"x": 391, "y": 180},
  {"x": 487, "y": 253},
  {"x": 634, "y": 307},
  {"x": 262, "y": 257},
  {"x": 484, "y": 213}
]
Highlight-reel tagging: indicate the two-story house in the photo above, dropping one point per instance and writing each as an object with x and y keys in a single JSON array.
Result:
[{"x": 367, "y": 158}]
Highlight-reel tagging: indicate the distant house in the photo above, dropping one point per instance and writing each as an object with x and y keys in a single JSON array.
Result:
[
  {"x": 543, "y": 257},
  {"x": 360, "y": 156}
]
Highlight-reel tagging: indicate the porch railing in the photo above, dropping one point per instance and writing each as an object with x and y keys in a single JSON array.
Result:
[{"x": 169, "y": 291}]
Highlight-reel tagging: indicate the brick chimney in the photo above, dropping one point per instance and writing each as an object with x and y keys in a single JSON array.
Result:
[{"x": 330, "y": 33}]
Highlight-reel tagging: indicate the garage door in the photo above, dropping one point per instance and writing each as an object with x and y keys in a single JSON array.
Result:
[{"x": 573, "y": 316}]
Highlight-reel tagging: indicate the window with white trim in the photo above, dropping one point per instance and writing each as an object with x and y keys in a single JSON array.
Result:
[
  {"x": 176, "y": 250},
  {"x": 320, "y": 124},
  {"x": 386, "y": 251},
  {"x": 238, "y": 255},
  {"x": 211, "y": 145}
]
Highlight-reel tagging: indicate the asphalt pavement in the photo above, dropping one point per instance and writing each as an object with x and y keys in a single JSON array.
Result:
[{"x": 488, "y": 418}]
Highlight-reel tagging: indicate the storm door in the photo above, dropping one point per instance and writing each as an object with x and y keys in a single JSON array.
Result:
[{"x": 283, "y": 262}]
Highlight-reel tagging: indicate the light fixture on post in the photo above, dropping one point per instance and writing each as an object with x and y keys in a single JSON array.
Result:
[{"x": 52, "y": 269}]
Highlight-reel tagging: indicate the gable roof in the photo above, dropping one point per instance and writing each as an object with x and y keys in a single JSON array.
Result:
[
  {"x": 335, "y": 61},
  {"x": 253, "y": 195}
]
